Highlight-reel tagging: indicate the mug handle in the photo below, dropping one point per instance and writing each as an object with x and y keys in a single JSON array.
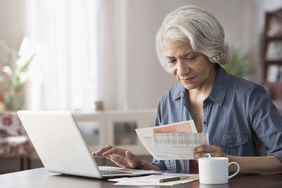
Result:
[{"x": 238, "y": 169}]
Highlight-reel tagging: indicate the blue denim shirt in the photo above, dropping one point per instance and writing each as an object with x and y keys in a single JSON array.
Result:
[{"x": 238, "y": 115}]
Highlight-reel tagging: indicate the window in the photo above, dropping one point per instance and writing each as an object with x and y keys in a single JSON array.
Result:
[{"x": 66, "y": 36}]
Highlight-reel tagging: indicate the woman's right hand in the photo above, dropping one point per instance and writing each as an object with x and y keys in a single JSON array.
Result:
[{"x": 120, "y": 157}]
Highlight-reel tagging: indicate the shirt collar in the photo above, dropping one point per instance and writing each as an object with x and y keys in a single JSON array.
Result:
[
  {"x": 179, "y": 92},
  {"x": 220, "y": 86},
  {"x": 217, "y": 93}
]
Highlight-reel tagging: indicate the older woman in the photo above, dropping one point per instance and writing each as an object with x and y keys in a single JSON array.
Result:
[{"x": 238, "y": 114}]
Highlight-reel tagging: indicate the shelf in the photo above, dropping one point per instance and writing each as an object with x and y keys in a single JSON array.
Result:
[
  {"x": 274, "y": 62},
  {"x": 274, "y": 38},
  {"x": 277, "y": 14}
]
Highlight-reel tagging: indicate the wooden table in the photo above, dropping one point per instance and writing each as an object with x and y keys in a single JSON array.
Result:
[{"x": 40, "y": 178}]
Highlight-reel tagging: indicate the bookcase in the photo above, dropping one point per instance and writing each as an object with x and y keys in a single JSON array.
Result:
[
  {"x": 272, "y": 56},
  {"x": 272, "y": 45}
]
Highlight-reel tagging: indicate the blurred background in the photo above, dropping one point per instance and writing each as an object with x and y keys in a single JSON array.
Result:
[
  {"x": 89, "y": 55},
  {"x": 92, "y": 50}
]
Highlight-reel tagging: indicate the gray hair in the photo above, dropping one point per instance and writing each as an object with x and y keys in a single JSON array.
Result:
[{"x": 197, "y": 27}]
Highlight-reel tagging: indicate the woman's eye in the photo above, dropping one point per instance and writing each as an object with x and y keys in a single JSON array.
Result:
[
  {"x": 191, "y": 56},
  {"x": 171, "y": 61}
]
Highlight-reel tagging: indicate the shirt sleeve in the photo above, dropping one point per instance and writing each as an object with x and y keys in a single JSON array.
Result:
[{"x": 266, "y": 121}]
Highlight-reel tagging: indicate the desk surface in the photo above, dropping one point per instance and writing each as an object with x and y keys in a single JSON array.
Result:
[{"x": 41, "y": 178}]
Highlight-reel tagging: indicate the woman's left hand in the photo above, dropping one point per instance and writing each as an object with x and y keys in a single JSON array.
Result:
[{"x": 204, "y": 150}]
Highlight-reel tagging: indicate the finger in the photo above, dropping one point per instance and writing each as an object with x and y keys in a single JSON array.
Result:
[
  {"x": 119, "y": 160},
  {"x": 214, "y": 151},
  {"x": 102, "y": 150},
  {"x": 98, "y": 156},
  {"x": 129, "y": 155},
  {"x": 95, "y": 154},
  {"x": 203, "y": 149},
  {"x": 115, "y": 150},
  {"x": 200, "y": 155},
  {"x": 132, "y": 160}
]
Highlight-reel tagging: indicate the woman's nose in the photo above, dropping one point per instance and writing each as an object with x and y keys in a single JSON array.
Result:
[{"x": 182, "y": 68}]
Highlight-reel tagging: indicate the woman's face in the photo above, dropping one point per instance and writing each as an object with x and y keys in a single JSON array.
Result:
[{"x": 192, "y": 69}]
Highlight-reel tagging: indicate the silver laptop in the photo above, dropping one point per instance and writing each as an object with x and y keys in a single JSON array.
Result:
[{"x": 61, "y": 147}]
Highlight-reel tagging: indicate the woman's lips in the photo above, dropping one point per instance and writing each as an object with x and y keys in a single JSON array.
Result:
[{"x": 188, "y": 79}]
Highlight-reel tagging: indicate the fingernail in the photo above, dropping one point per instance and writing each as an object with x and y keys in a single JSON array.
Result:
[{"x": 208, "y": 155}]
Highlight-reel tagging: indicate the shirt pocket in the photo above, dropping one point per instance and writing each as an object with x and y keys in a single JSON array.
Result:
[{"x": 233, "y": 143}]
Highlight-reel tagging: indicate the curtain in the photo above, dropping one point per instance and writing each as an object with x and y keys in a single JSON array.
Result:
[{"x": 65, "y": 72}]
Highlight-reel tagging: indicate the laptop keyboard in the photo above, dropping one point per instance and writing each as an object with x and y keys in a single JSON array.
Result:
[
  {"x": 110, "y": 171},
  {"x": 113, "y": 172}
]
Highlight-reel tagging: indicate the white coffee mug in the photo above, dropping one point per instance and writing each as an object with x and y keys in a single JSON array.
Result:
[{"x": 214, "y": 170}]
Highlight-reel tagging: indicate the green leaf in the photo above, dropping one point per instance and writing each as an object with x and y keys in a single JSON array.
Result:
[{"x": 240, "y": 64}]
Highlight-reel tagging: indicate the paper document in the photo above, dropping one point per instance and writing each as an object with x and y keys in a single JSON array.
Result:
[
  {"x": 172, "y": 141},
  {"x": 161, "y": 179}
]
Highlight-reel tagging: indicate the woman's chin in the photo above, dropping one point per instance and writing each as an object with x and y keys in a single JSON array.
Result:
[{"x": 189, "y": 86}]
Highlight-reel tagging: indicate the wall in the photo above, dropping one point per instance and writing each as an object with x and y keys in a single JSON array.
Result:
[{"x": 12, "y": 22}]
